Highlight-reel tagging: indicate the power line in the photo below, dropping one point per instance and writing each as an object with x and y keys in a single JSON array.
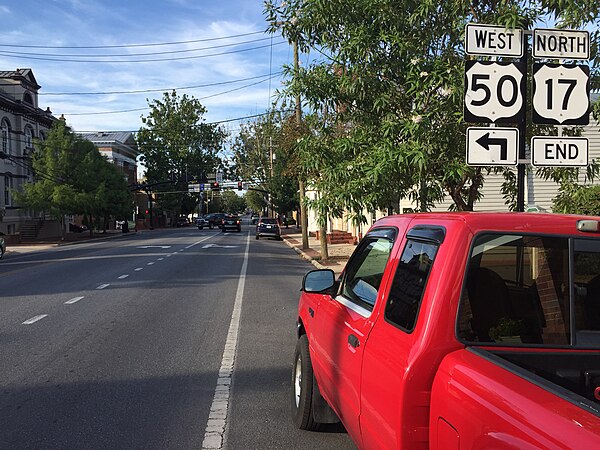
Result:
[
  {"x": 181, "y": 58},
  {"x": 170, "y": 52},
  {"x": 146, "y": 108},
  {"x": 131, "y": 45},
  {"x": 143, "y": 91}
]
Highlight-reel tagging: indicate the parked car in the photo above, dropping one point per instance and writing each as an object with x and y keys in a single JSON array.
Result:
[
  {"x": 74, "y": 228},
  {"x": 2, "y": 246},
  {"x": 268, "y": 227},
  {"x": 458, "y": 330},
  {"x": 231, "y": 222},
  {"x": 182, "y": 222}
]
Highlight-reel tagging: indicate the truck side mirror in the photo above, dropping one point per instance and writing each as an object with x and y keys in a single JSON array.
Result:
[{"x": 319, "y": 281}]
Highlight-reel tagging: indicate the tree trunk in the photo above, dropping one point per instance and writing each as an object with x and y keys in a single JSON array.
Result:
[{"x": 323, "y": 239}]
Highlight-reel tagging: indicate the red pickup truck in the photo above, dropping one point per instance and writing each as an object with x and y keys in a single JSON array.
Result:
[{"x": 457, "y": 331}]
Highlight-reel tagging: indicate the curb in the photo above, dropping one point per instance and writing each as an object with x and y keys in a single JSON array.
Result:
[{"x": 305, "y": 256}]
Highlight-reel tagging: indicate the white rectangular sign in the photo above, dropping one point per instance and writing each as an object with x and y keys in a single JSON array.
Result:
[
  {"x": 493, "y": 41},
  {"x": 559, "y": 151},
  {"x": 561, "y": 44},
  {"x": 492, "y": 146}
]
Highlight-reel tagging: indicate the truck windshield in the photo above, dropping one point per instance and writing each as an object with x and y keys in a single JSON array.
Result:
[{"x": 525, "y": 289}]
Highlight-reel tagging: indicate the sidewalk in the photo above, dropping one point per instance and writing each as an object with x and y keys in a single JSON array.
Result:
[
  {"x": 70, "y": 238},
  {"x": 338, "y": 253}
]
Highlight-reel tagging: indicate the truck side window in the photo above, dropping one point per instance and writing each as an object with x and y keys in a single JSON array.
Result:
[
  {"x": 587, "y": 292},
  {"x": 365, "y": 269},
  {"x": 409, "y": 283}
]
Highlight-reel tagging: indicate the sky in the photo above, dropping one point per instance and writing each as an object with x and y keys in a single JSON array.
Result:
[{"x": 86, "y": 56}]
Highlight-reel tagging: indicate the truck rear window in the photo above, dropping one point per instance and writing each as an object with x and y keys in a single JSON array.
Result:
[{"x": 527, "y": 289}]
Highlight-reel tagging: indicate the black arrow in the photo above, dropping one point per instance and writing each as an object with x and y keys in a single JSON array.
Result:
[{"x": 486, "y": 141}]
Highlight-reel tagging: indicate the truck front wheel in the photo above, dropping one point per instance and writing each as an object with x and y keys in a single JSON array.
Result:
[{"x": 302, "y": 387}]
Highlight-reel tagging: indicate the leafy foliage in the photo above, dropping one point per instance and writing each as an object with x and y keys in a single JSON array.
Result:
[
  {"x": 72, "y": 177},
  {"x": 387, "y": 93},
  {"x": 177, "y": 146}
]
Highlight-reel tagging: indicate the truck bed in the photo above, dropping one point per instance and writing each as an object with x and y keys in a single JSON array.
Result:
[{"x": 572, "y": 375}]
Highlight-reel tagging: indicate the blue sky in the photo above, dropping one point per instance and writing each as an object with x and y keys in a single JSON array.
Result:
[{"x": 45, "y": 29}]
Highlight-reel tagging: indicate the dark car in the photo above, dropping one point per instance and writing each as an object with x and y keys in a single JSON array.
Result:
[
  {"x": 254, "y": 219},
  {"x": 214, "y": 220},
  {"x": 74, "y": 228},
  {"x": 182, "y": 222},
  {"x": 231, "y": 222},
  {"x": 2, "y": 246},
  {"x": 268, "y": 227}
]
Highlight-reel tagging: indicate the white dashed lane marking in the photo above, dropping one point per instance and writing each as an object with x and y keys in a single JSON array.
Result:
[
  {"x": 150, "y": 263},
  {"x": 34, "y": 319},
  {"x": 123, "y": 276},
  {"x": 137, "y": 269},
  {"x": 102, "y": 286},
  {"x": 73, "y": 300}
]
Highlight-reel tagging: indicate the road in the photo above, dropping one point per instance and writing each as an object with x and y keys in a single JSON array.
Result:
[{"x": 164, "y": 339}]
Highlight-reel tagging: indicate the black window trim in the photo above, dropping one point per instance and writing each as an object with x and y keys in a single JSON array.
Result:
[{"x": 419, "y": 239}]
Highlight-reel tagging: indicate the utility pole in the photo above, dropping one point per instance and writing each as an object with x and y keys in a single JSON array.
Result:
[{"x": 303, "y": 209}]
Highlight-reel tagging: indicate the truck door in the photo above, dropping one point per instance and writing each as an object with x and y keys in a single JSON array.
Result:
[
  {"x": 394, "y": 395},
  {"x": 343, "y": 323}
]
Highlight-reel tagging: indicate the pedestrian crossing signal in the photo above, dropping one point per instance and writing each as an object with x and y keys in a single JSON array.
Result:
[{"x": 239, "y": 185}]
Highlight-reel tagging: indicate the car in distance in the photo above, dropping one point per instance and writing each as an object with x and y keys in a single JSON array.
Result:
[
  {"x": 201, "y": 222},
  {"x": 254, "y": 219},
  {"x": 215, "y": 219},
  {"x": 182, "y": 222},
  {"x": 268, "y": 227},
  {"x": 231, "y": 222}
]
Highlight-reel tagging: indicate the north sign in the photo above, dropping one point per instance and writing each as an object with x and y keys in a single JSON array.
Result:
[
  {"x": 561, "y": 44},
  {"x": 494, "y": 92},
  {"x": 559, "y": 151},
  {"x": 492, "y": 146},
  {"x": 561, "y": 94},
  {"x": 490, "y": 40}
]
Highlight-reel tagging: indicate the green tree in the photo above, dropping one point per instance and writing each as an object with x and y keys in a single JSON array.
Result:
[
  {"x": 232, "y": 202},
  {"x": 264, "y": 158},
  {"x": 177, "y": 146},
  {"x": 391, "y": 74},
  {"x": 72, "y": 177},
  {"x": 256, "y": 200}
]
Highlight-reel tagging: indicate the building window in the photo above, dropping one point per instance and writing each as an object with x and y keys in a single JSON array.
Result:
[
  {"x": 28, "y": 137},
  {"x": 5, "y": 127},
  {"x": 27, "y": 98},
  {"x": 7, "y": 190}
]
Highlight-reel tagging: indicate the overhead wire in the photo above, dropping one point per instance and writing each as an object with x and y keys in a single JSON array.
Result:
[
  {"x": 193, "y": 41},
  {"x": 144, "y": 91},
  {"x": 170, "y": 52},
  {"x": 103, "y": 61},
  {"x": 147, "y": 107}
]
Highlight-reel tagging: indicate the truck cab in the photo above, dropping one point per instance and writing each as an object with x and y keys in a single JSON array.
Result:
[{"x": 421, "y": 289}]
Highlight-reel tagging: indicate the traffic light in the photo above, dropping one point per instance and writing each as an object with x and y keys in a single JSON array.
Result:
[
  {"x": 215, "y": 186},
  {"x": 239, "y": 185}
]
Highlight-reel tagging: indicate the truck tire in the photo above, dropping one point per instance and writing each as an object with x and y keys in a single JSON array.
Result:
[{"x": 302, "y": 387}]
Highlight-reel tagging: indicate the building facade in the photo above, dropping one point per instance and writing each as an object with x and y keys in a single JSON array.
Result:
[{"x": 21, "y": 121}]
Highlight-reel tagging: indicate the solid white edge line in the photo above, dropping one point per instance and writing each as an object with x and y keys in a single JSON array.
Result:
[
  {"x": 34, "y": 319},
  {"x": 216, "y": 427},
  {"x": 73, "y": 300}
]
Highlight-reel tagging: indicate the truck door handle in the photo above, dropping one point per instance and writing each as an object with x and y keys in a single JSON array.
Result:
[{"x": 353, "y": 341}]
